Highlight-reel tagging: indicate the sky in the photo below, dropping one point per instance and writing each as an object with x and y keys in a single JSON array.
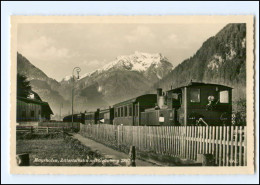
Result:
[{"x": 57, "y": 48}]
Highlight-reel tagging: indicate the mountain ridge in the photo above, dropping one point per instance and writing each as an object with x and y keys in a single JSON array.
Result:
[{"x": 125, "y": 77}]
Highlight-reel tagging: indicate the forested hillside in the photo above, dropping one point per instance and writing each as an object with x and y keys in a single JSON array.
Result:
[{"x": 221, "y": 59}]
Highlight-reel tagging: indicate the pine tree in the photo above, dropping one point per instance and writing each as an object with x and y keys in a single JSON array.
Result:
[{"x": 23, "y": 86}]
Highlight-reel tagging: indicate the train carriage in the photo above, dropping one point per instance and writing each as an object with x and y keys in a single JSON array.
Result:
[
  {"x": 193, "y": 104},
  {"x": 106, "y": 116},
  {"x": 92, "y": 117},
  {"x": 129, "y": 112},
  {"x": 76, "y": 118}
]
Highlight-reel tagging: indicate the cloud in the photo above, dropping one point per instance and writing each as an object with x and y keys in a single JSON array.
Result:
[
  {"x": 139, "y": 34},
  {"x": 43, "y": 48}
]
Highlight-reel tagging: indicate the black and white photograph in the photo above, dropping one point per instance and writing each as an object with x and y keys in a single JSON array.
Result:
[{"x": 102, "y": 92}]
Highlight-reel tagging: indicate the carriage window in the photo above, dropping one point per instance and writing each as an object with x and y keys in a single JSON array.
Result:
[
  {"x": 195, "y": 95},
  {"x": 136, "y": 110},
  {"x": 223, "y": 97},
  {"x": 125, "y": 111},
  {"x": 175, "y": 96},
  {"x": 122, "y": 112},
  {"x": 118, "y": 112},
  {"x": 130, "y": 110}
]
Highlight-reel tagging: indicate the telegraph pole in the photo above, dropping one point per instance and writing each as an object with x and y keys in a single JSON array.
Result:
[
  {"x": 72, "y": 93},
  {"x": 61, "y": 105}
]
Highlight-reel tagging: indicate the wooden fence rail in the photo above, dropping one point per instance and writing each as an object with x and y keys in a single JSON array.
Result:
[
  {"x": 31, "y": 129},
  {"x": 48, "y": 127},
  {"x": 226, "y": 143}
]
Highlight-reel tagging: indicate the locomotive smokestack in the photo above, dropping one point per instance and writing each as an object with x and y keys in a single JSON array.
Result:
[
  {"x": 159, "y": 94},
  {"x": 160, "y": 98}
]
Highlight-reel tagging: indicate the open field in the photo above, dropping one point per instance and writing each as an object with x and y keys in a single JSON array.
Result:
[{"x": 55, "y": 149}]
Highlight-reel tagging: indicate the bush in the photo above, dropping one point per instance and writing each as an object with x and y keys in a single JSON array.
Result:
[
  {"x": 30, "y": 136},
  {"x": 239, "y": 112}
]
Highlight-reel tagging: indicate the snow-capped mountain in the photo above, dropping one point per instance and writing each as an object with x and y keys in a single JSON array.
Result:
[
  {"x": 125, "y": 77},
  {"x": 145, "y": 63},
  {"x": 136, "y": 62},
  {"x": 66, "y": 78}
]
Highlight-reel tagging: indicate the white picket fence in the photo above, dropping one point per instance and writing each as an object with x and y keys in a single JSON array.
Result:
[{"x": 226, "y": 143}]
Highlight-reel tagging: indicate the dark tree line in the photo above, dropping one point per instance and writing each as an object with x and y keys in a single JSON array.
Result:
[{"x": 23, "y": 86}]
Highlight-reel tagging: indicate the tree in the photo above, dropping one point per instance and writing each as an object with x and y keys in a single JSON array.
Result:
[{"x": 23, "y": 86}]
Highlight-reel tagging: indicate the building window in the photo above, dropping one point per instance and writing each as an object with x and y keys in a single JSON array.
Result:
[
  {"x": 195, "y": 95},
  {"x": 223, "y": 97},
  {"x": 23, "y": 114},
  {"x": 32, "y": 113}
]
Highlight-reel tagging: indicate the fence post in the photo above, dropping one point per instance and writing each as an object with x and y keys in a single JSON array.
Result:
[
  {"x": 47, "y": 130},
  {"x": 206, "y": 159},
  {"x": 132, "y": 156}
]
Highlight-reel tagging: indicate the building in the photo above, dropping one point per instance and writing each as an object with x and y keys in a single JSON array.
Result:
[{"x": 32, "y": 108}]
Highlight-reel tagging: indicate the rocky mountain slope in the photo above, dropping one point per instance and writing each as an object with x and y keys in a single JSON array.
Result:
[
  {"x": 221, "y": 59},
  {"x": 46, "y": 87}
]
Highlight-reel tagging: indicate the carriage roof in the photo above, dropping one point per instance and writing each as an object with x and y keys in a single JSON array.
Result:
[
  {"x": 198, "y": 84},
  {"x": 136, "y": 99}
]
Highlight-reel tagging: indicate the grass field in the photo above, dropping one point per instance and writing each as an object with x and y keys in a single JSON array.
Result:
[{"x": 56, "y": 150}]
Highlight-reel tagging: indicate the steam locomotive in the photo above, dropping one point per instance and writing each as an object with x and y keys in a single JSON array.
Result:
[{"x": 193, "y": 104}]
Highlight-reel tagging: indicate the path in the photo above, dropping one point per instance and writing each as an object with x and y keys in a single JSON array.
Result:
[{"x": 108, "y": 152}]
